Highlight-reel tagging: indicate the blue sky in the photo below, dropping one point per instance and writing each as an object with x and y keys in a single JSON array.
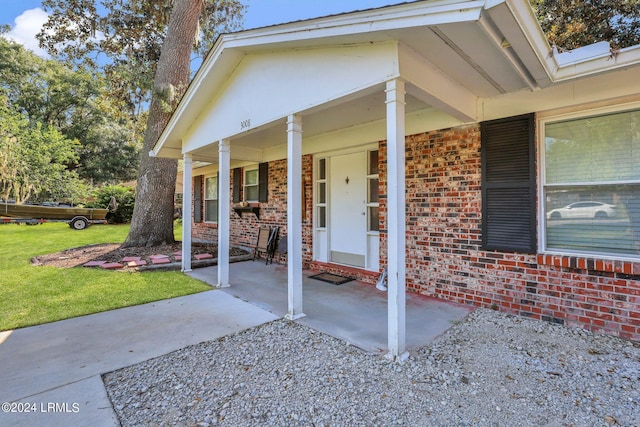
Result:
[{"x": 26, "y": 16}]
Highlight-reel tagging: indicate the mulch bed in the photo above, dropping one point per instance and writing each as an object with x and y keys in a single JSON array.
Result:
[{"x": 115, "y": 253}]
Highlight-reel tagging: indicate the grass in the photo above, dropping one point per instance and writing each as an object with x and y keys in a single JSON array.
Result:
[{"x": 31, "y": 295}]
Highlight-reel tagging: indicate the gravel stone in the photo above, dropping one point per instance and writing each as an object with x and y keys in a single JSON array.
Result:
[{"x": 491, "y": 369}]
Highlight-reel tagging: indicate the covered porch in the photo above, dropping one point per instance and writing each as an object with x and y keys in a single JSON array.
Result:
[
  {"x": 316, "y": 87},
  {"x": 354, "y": 312}
]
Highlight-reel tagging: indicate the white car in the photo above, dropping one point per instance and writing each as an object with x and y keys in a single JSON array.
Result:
[{"x": 597, "y": 210}]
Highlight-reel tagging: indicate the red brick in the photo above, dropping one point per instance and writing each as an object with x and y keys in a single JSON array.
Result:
[
  {"x": 94, "y": 263},
  {"x": 111, "y": 266}
]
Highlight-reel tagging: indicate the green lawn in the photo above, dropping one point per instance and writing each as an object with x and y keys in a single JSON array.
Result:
[{"x": 31, "y": 295}]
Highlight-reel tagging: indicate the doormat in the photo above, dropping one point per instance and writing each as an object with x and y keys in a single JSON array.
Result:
[{"x": 331, "y": 278}]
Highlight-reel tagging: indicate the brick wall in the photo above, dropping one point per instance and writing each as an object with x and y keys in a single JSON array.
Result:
[
  {"x": 244, "y": 229},
  {"x": 445, "y": 259}
]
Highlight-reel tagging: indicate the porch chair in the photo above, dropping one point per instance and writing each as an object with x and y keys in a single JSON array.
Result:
[
  {"x": 262, "y": 245},
  {"x": 267, "y": 240}
]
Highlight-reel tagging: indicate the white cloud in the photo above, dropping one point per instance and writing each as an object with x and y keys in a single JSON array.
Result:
[{"x": 27, "y": 25}]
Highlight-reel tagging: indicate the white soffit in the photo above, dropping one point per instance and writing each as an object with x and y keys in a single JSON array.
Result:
[
  {"x": 514, "y": 27},
  {"x": 435, "y": 88}
]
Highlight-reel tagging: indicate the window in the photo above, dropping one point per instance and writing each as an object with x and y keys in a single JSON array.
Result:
[
  {"x": 321, "y": 194},
  {"x": 211, "y": 199},
  {"x": 251, "y": 185},
  {"x": 591, "y": 183},
  {"x": 373, "y": 209}
]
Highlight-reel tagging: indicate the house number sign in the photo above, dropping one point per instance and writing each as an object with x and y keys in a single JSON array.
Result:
[{"x": 245, "y": 124}]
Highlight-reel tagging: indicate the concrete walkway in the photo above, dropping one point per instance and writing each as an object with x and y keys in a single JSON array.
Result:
[{"x": 52, "y": 372}]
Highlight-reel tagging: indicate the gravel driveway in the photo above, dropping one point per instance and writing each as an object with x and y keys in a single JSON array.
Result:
[{"x": 491, "y": 369}]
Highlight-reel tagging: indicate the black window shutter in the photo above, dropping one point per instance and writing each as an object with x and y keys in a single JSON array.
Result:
[
  {"x": 509, "y": 184},
  {"x": 237, "y": 180},
  {"x": 197, "y": 198},
  {"x": 263, "y": 182}
]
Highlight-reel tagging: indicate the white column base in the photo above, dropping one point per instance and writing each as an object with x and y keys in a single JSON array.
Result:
[
  {"x": 397, "y": 359},
  {"x": 297, "y": 316}
]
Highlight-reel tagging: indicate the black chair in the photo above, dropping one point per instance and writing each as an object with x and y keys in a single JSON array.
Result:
[
  {"x": 282, "y": 249},
  {"x": 272, "y": 244}
]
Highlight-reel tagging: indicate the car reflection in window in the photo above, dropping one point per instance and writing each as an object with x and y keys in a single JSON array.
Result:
[{"x": 593, "y": 210}]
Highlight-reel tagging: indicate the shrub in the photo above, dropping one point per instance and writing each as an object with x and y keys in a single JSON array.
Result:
[{"x": 124, "y": 198}]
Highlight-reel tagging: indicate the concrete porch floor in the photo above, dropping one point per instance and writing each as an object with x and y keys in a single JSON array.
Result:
[{"x": 354, "y": 311}]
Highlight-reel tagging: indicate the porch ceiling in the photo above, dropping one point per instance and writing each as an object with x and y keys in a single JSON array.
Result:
[{"x": 450, "y": 53}]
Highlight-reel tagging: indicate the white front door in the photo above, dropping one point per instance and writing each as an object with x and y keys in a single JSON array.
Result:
[{"x": 348, "y": 209}]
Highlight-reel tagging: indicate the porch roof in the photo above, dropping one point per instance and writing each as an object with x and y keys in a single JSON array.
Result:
[{"x": 453, "y": 55}]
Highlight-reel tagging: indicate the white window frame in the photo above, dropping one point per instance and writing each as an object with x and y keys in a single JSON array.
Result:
[
  {"x": 551, "y": 117},
  {"x": 370, "y": 204},
  {"x": 256, "y": 185},
  {"x": 319, "y": 205},
  {"x": 205, "y": 199}
]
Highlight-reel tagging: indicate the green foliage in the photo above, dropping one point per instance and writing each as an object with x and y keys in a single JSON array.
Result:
[
  {"x": 110, "y": 154},
  {"x": 34, "y": 159},
  {"x": 12, "y": 131},
  {"x": 74, "y": 102},
  {"x": 569, "y": 24},
  {"x": 33, "y": 295},
  {"x": 124, "y": 199},
  {"x": 127, "y": 36}
]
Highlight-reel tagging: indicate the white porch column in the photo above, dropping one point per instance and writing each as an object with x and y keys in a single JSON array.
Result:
[
  {"x": 187, "y": 211},
  {"x": 294, "y": 216},
  {"x": 396, "y": 219},
  {"x": 224, "y": 159}
]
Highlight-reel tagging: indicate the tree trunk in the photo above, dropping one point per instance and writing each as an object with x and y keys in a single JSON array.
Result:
[{"x": 152, "y": 221}]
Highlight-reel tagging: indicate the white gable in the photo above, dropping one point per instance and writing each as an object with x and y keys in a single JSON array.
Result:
[{"x": 267, "y": 86}]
